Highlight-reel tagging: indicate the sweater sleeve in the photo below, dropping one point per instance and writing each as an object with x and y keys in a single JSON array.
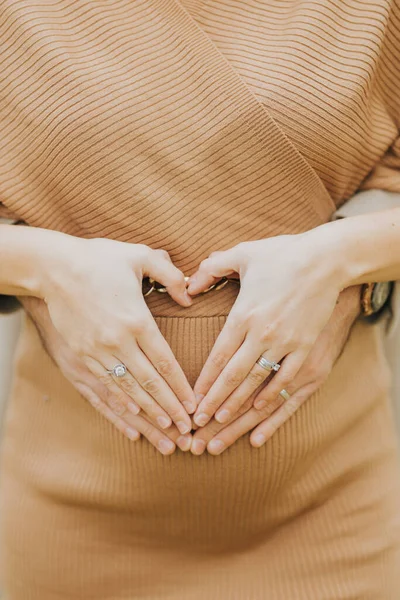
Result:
[{"x": 386, "y": 174}]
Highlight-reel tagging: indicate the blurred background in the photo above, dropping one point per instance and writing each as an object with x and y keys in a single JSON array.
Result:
[{"x": 9, "y": 327}]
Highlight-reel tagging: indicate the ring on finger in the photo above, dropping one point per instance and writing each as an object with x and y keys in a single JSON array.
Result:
[
  {"x": 268, "y": 365},
  {"x": 118, "y": 371},
  {"x": 285, "y": 394}
]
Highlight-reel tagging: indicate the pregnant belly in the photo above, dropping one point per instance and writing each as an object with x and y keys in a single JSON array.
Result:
[{"x": 57, "y": 445}]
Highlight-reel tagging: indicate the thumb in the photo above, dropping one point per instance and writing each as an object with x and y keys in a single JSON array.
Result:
[
  {"x": 217, "y": 265},
  {"x": 161, "y": 268}
]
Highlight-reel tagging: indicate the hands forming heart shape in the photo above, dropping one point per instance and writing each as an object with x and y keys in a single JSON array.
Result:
[{"x": 290, "y": 309}]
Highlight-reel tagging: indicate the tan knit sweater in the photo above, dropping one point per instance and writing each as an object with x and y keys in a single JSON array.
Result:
[{"x": 193, "y": 125}]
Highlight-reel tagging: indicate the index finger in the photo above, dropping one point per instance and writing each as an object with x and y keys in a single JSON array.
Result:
[
  {"x": 227, "y": 343},
  {"x": 156, "y": 348}
]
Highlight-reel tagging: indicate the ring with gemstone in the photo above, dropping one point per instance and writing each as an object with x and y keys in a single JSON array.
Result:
[
  {"x": 268, "y": 365},
  {"x": 119, "y": 370}
]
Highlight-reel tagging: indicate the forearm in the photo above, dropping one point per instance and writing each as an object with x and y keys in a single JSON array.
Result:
[
  {"x": 363, "y": 248},
  {"x": 28, "y": 255}
]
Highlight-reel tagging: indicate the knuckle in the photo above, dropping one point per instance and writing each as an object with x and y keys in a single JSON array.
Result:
[
  {"x": 312, "y": 372},
  {"x": 105, "y": 379},
  {"x": 129, "y": 385},
  {"x": 285, "y": 380},
  {"x": 288, "y": 343},
  {"x": 146, "y": 429},
  {"x": 163, "y": 253},
  {"x": 232, "y": 378},
  {"x": 116, "y": 406},
  {"x": 165, "y": 366},
  {"x": 257, "y": 377},
  {"x": 93, "y": 400},
  {"x": 107, "y": 339},
  {"x": 151, "y": 386},
  {"x": 219, "y": 360},
  {"x": 138, "y": 326},
  {"x": 239, "y": 322},
  {"x": 269, "y": 332},
  {"x": 271, "y": 407}
]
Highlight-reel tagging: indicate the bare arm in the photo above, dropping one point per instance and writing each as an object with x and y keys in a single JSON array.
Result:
[{"x": 363, "y": 248}]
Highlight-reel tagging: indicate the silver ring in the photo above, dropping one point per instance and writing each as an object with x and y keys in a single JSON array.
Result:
[
  {"x": 285, "y": 395},
  {"x": 119, "y": 370},
  {"x": 268, "y": 365}
]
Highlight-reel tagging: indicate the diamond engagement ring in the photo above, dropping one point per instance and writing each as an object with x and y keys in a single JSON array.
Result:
[
  {"x": 119, "y": 370},
  {"x": 268, "y": 365}
]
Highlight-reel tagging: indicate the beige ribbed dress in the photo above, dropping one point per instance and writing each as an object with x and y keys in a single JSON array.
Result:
[{"x": 191, "y": 126}]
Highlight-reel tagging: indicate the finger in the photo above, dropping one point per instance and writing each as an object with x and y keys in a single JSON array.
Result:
[
  {"x": 94, "y": 400},
  {"x": 155, "y": 436},
  {"x": 133, "y": 426},
  {"x": 282, "y": 379},
  {"x": 217, "y": 265},
  {"x": 255, "y": 377},
  {"x": 158, "y": 351},
  {"x": 239, "y": 427},
  {"x": 130, "y": 387},
  {"x": 148, "y": 378},
  {"x": 269, "y": 426},
  {"x": 227, "y": 381},
  {"x": 205, "y": 434},
  {"x": 183, "y": 442},
  {"x": 159, "y": 266},
  {"x": 227, "y": 343}
]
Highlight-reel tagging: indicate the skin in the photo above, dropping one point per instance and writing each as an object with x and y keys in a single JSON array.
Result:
[
  {"x": 290, "y": 286},
  {"x": 264, "y": 422},
  {"x": 94, "y": 390},
  {"x": 274, "y": 315},
  {"x": 93, "y": 293},
  {"x": 314, "y": 372}
]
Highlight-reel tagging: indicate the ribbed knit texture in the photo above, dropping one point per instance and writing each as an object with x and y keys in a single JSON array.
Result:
[{"x": 192, "y": 126}]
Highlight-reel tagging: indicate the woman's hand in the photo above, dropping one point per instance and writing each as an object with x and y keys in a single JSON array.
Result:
[
  {"x": 94, "y": 391},
  {"x": 218, "y": 437},
  {"x": 289, "y": 289},
  {"x": 93, "y": 290}
]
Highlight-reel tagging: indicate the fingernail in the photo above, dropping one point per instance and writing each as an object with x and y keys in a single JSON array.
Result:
[
  {"x": 166, "y": 446},
  {"x": 133, "y": 408},
  {"x": 216, "y": 446},
  {"x": 199, "y": 398},
  {"x": 189, "y": 407},
  {"x": 258, "y": 440},
  {"x": 192, "y": 283},
  {"x": 132, "y": 434},
  {"x": 201, "y": 419},
  {"x": 198, "y": 447},
  {"x": 223, "y": 416},
  {"x": 187, "y": 297},
  {"x": 164, "y": 422},
  {"x": 184, "y": 442},
  {"x": 183, "y": 428},
  {"x": 259, "y": 404}
]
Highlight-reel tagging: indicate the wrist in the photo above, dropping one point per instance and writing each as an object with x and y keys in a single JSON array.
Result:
[
  {"x": 31, "y": 258},
  {"x": 339, "y": 249}
]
